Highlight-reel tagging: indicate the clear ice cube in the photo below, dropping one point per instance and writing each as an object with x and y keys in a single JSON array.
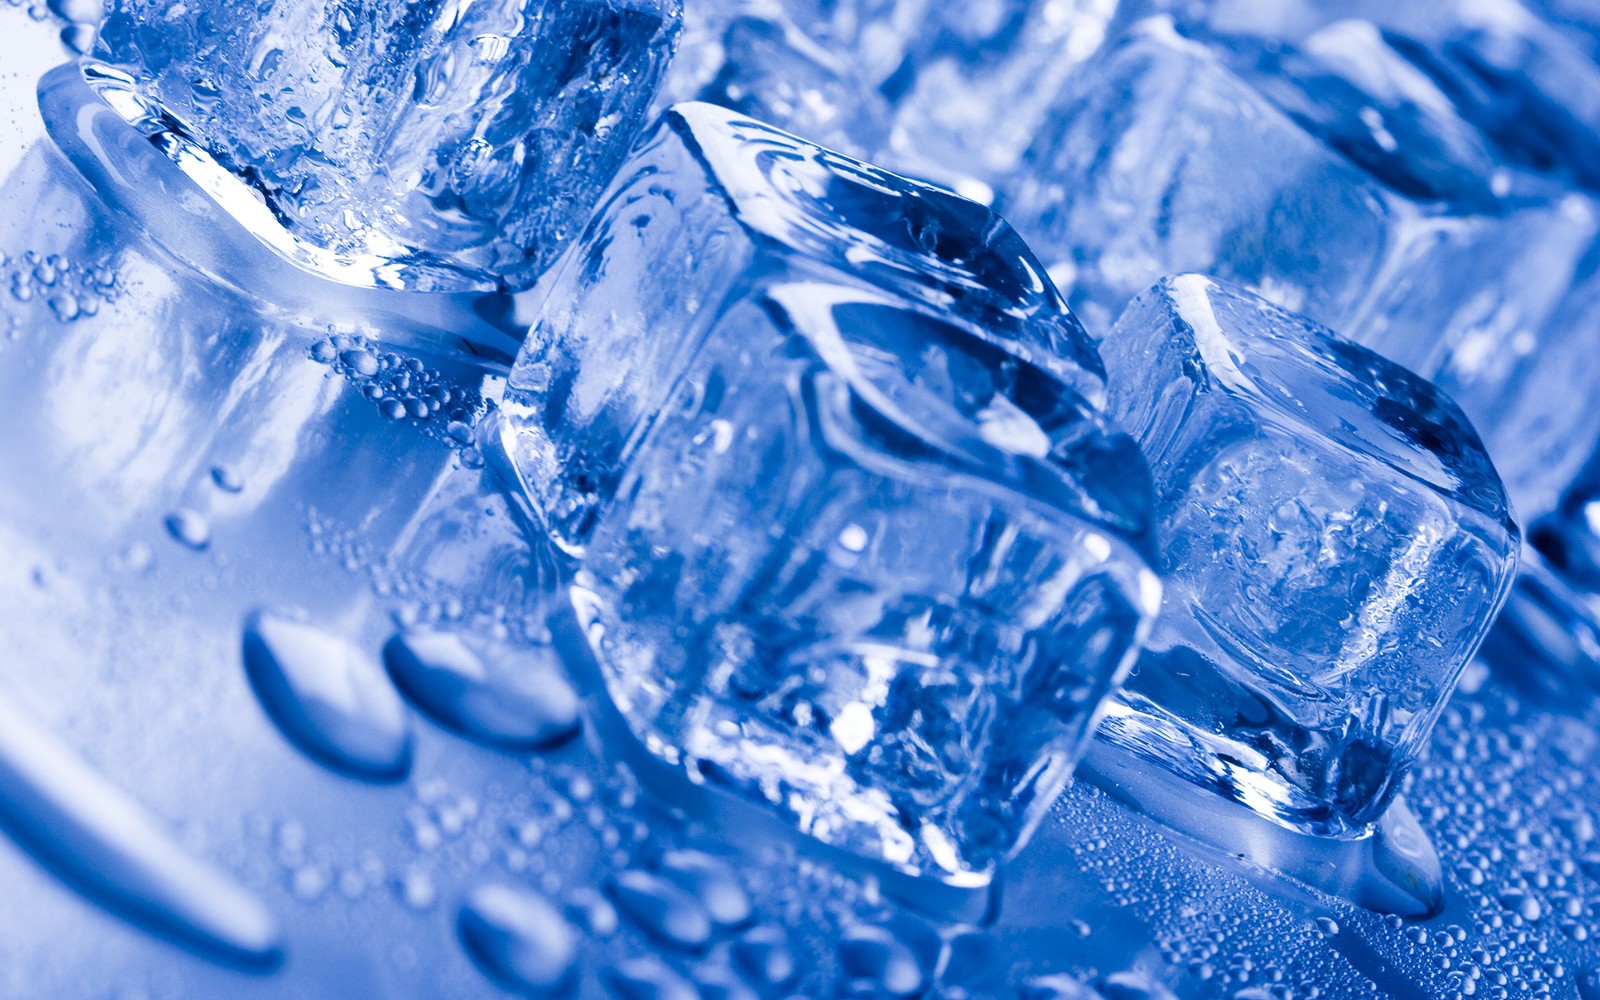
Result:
[
  {"x": 912, "y": 83},
  {"x": 1338, "y": 179},
  {"x": 430, "y": 145},
  {"x": 711, "y": 206},
  {"x": 857, "y": 543},
  {"x": 1335, "y": 544},
  {"x": 1531, "y": 88},
  {"x": 872, "y": 569}
]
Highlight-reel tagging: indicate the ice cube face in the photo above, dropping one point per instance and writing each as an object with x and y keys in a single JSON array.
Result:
[
  {"x": 871, "y": 570},
  {"x": 711, "y": 207},
  {"x": 1335, "y": 544},
  {"x": 429, "y": 146},
  {"x": 1335, "y": 178}
]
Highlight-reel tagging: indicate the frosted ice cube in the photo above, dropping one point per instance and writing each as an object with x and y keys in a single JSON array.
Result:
[
  {"x": 1336, "y": 544},
  {"x": 426, "y": 145}
]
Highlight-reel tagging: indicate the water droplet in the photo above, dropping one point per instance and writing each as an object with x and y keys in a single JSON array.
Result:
[
  {"x": 100, "y": 841},
  {"x": 494, "y": 694},
  {"x": 765, "y": 957},
  {"x": 519, "y": 939},
  {"x": 710, "y": 881},
  {"x": 665, "y": 911},
  {"x": 309, "y": 882},
  {"x": 79, "y": 11},
  {"x": 592, "y": 912},
  {"x": 1133, "y": 986},
  {"x": 1057, "y": 987},
  {"x": 138, "y": 557},
  {"x": 189, "y": 528},
  {"x": 416, "y": 890},
  {"x": 227, "y": 479},
  {"x": 878, "y": 965},
  {"x": 1522, "y": 904},
  {"x": 65, "y": 304},
  {"x": 648, "y": 979},
  {"x": 328, "y": 697},
  {"x": 78, "y": 38},
  {"x": 720, "y": 984},
  {"x": 359, "y": 361}
]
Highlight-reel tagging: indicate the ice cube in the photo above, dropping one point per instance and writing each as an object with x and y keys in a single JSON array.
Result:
[
  {"x": 871, "y": 569},
  {"x": 856, "y": 541},
  {"x": 1336, "y": 178},
  {"x": 811, "y": 67},
  {"x": 872, "y": 36},
  {"x": 429, "y": 145},
  {"x": 977, "y": 84},
  {"x": 712, "y": 206},
  {"x": 1533, "y": 90},
  {"x": 1335, "y": 541},
  {"x": 914, "y": 84},
  {"x": 774, "y": 71}
]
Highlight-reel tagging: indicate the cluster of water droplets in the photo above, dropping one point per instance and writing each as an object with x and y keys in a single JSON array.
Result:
[
  {"x": 1507, "y": 795},
  {"x": 71, "y": 289},
  {"x": 407, "y": 389}
]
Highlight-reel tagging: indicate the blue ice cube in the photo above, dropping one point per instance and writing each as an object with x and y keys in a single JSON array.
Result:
[
  {"x": 431, "y": 145},
  {"x": 811, "y": 67},
  {"x": 978, "y": 82},
  {"x": 1335, "y": 541},
  {"x": 1335, "y": 177},
  {"x": 856, "y": 540},
  {"x": 712, "y": 206},
  {"x": 872, "y": 570},
  {"x": 775, "y": 71},
  {"x": 868, "y": 38},
  {"x": 912, "y": 83},
  {"x": 1532, "y": 89}
]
